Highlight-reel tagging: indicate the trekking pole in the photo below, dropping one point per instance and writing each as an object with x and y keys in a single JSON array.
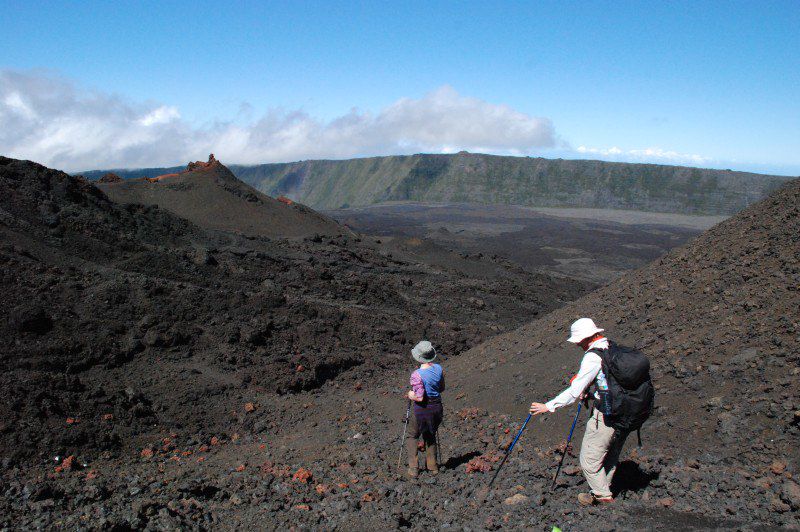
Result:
[
  {"x": 438, "y": 450},
  {"x": 508, "y": 452},
  {"x": 566, "y": 446},
  {"x": 403, "y": 439}
]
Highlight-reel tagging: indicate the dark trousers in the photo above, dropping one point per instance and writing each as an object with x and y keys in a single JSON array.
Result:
[{"x": 424, "y": 421}]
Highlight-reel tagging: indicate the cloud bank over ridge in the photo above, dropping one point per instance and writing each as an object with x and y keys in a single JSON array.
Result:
[
  {"x": 644, "y": 155},
  {"x": 52, "y": 121}
]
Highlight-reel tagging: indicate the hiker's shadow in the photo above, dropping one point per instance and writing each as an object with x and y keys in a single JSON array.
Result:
[
  {"x": 455, "y": 461},
  {"x": 630, "y": 477}
]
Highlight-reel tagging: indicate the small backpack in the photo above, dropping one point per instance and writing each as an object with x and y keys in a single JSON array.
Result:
[{"x": 629, "y": 400}]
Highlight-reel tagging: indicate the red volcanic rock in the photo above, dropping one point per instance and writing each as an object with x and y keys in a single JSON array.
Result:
[
  {"x": 197, "y": 165},
  {"x": 470, "y": 413},
  {"x": 159, "y": 178},
  {"x": 110, "y": 177},
  {"x": 479, "y": 464},
  {"x": 302, "y": 475},
  {"x": 67, "y": 465},
  {"x": 778, "y": 467},
  {"x": 270, "y": 468},
  {"x": 191, "y": 167}
]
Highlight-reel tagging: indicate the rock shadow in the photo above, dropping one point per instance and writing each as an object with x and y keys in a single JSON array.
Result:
[
  {"x": 630, "y": 477},
  {"x": 455, "y": 461}
]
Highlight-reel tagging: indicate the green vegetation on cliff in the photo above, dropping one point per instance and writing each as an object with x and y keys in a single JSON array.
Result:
[{"x": 491, "y": 179}]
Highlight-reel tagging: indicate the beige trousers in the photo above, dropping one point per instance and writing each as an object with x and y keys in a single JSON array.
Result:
[{"x": 600, "y": 453}]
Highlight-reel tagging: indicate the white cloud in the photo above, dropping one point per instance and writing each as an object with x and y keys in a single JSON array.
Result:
[
  {"x": 13, "y": 101},
  {"x": 52, "y": 121},
  {"x": 649, "y": 155},
  {"x": 160, "y": 115}
]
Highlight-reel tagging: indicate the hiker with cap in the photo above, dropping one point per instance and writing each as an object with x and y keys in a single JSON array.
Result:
[
  {"x": 427, "y": 384},
  {"x": 602, "y": 444}
]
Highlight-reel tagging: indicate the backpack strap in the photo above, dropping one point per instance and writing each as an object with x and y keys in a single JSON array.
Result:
[{"x": 602, "y": 353}]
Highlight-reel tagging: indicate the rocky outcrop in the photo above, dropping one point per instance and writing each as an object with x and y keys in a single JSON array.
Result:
[
  {"x": 110, "y": 177},
  {"x": 198, "y": 165},
  {"x": 208, "y": 194}
]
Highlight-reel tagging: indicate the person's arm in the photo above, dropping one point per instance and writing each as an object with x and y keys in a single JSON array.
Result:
[
  {"x": 590, "y": 367},
  {"x": 441, "y": 383},
  {"x": 417, "y": 392}
]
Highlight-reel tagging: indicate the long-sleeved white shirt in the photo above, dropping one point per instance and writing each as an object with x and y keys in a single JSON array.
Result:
[{"x": 590, "y": 371}]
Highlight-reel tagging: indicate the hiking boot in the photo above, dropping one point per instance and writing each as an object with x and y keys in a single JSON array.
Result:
[
  {"x": 430, "y": 459},
  {"x": 590, "y": 499}
]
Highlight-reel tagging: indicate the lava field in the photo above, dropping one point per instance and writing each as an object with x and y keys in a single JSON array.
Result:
[{"x": 163, "y": 370}]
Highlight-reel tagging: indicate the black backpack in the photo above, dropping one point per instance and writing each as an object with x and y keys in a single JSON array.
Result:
[{"x": 629, "y": 400}]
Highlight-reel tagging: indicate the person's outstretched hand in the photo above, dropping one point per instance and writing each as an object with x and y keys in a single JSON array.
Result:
[{"x": 538, "y": 408}]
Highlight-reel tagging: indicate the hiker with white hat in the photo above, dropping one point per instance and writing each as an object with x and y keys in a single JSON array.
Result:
[
  {"x": 427, "y": 384},
  {"x": 601, "y": 444}
]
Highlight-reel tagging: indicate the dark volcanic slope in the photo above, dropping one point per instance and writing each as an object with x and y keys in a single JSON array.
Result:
[
  {"x": 209, "y": 195},
  {"x": 131, "y": 311},
  {"x": 732, "y": 290},
  {"x": 491, "y": 179},
  {"x": 719, "y": 320},
  {"x": 153, "y": 351}
]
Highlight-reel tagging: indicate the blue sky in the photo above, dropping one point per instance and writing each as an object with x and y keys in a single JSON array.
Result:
[{"x": 699, "y": 83}]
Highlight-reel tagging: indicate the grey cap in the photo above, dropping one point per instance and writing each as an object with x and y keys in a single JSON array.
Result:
[{"x": 424, "y": 352}]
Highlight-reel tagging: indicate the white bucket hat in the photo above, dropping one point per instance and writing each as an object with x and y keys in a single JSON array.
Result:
[
  {"x": 424, "y": 352},
  {"x": 582, "y": 329}
]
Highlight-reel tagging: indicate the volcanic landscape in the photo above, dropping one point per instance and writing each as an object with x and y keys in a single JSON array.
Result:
[{"x": 186, "y": 352}]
